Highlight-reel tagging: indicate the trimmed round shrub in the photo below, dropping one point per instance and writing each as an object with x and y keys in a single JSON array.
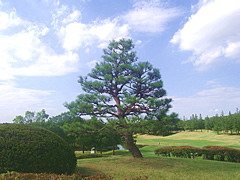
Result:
[{"x": 30, "y": 149}]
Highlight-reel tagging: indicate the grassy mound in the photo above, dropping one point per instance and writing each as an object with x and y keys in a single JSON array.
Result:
[{"x": 29, "y": 149}]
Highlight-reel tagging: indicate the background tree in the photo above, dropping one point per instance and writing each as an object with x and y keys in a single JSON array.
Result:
[
  {"x": 19, "y": 119},
  {"x": 162, "y": 124},
  {"x": 41, "y": 116},
  {"x": 236, "y": 122},
  {"x": 29, "y": 117},
  {"x": 121, "y": 91},
  {"x": 54, "y": 124},
  {"x": 207, "y": 123},
  {"x": 32, "y": 117},
  {"x": 181, "y": 125},
  {"x": 201, "y": 122},
  {"x": 218, "y": 123},
  {"x": 87, "y": 134}
]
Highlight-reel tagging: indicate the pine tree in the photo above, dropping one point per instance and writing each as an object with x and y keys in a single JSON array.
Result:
[{"x": 122, "y": 91}]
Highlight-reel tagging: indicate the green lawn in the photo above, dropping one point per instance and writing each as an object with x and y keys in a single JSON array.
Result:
[
  {"x": 122, "y": 165},
  {"x": 197, "y": 139}
]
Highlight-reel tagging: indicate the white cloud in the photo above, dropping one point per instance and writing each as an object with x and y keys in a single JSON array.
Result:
[
  {"x": 233, "y": 50},
  {"x": 59, "y": 12},
  {"x": 37, "y": 58},
  {"x": 50, "y": 65},
  {"x": 212, "y": 33},
  {"x": 92, "y": 63},
  {"x": 11, "y": 96},
  {"x": 206, "y": 102},
  {"x": 103, "y": 45},
  {"x": 146, "y": 16},
  {"x": 213, "y": 83},
  {"x": 150, "y": 16},
  {"x": 12, "y": 46},
  {"x": 14, "y": 101},
  {"x": 138, "y": 42},
  {"x": 24, "y": 53},
  {"x": 34, "y": 58},
  {"x": 76, "y": 34},
  {"x": 9, "y": 19},
  {"x": 74, "y": 16},
  {"x": 45, "y": 31},
  {"x": 87, "y": 50},
  {"x": 107, "y": 30}
]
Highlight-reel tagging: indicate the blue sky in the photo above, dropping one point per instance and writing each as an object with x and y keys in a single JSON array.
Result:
[{"x": 46, "y": 45}]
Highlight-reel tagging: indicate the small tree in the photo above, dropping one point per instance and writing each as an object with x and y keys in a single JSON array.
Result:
[
  {"x": 41, "y": 116},
  {"x": 122, "y": 91},
  {"x": 30, "y": 117},
  {"x": 201, "y": 124},
  {"x": 218, "y": 123},
  {"x": 19, "y": 119},
  {"x": 236, "y": 122}
]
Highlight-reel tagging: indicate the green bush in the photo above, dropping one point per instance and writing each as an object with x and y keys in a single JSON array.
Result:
[
  {"x": 221, "y": 153},
  {"x": 29, "y": 149},
  {"x": 45, "y": 176},
  {"x": 164, "y": 151},
  {"x": 218, "y": 153},
  {"x": 179, "y": 151}
]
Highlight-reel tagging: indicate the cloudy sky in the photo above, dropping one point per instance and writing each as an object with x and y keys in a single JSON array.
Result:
[{"x": 46, "y": 45}]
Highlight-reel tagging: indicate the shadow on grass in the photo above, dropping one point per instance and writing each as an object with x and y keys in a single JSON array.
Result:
[{"x": 86, "y": 171}]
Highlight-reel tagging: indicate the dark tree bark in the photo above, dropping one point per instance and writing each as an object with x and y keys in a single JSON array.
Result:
[
  {"x": 131, "y": 146},
  {"x": 113, "y": 148}
]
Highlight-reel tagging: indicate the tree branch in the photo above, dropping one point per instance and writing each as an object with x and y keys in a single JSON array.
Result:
[{"x": 95, "y": 132}]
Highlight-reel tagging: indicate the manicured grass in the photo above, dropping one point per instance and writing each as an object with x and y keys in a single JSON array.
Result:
[
  {"x": 197, "y": 139},
  {"x": 159, "y": 168},
  {"x": 122, "y": 165}
]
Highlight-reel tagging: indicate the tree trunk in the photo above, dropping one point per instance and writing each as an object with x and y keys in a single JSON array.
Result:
[
  {"x": 113, "y": 148},
  {"x": 131, "y": 146}
]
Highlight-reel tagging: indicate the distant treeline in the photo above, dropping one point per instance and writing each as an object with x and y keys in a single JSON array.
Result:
[
  {"x": 220, "y": 123},
  {"x": 65, "y": 125},
  {"x": 75, "y": 130}
]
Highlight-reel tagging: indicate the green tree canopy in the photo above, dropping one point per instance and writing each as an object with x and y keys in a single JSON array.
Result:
[
  {"x": 122, "y": 91},
  {"x": 32, "y": 117}
]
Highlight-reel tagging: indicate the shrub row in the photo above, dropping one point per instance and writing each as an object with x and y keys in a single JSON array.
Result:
[
  {"x": 45, "y": 176},
  {"x": 179, "y": 151},
  {"x": 218, "y": 153}
]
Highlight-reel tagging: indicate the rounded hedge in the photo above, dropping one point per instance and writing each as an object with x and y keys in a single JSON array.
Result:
[{"x": 25, "y": 148}]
